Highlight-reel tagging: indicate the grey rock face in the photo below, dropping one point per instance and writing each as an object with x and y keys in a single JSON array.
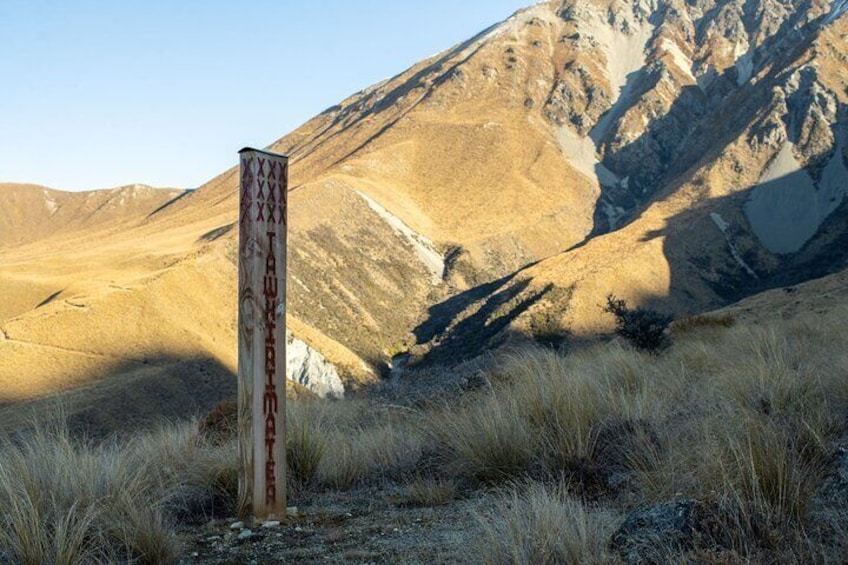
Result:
[
  {"x": 811, "y": 109},
  {"x": 699, "y": 54},
  {"x": 309, "y": 368}
]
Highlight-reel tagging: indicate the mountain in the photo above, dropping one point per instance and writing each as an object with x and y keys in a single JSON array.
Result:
[
  {"x": 680, "y": 154},
  {"x": 723, "y": 167},
  {"x": 30, "y": 214}
]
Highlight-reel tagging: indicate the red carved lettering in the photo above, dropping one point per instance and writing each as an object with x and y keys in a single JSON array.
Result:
[
  {"x": 270, "y": 403},
  {"x": 270, "y": 360},
  {"x": 270, "y": 424},
  {"x": 270, "y": 398}
]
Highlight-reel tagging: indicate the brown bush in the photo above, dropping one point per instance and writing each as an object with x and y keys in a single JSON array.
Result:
[{"x": 221, "y": 424}]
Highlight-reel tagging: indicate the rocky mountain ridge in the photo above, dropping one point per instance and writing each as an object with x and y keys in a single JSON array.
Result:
[{"x": 735, "y": 185}]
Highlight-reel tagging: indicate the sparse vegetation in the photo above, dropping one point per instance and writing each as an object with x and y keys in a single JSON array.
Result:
[
  {"x": 643, "y": 328},
  {"x": 740, "y": 423},
  {"x": 64, "y": 500}
]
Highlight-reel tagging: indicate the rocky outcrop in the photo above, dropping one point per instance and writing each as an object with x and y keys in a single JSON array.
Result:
[
  {"x": 713, "y": 135},
  {"x": 831, "y": 499},
  {"x": 309, "y": 368},
  {"x": 653, "y": 534}
]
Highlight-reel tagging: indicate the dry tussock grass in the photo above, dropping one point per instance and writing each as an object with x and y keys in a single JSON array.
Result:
[
  {"x": 546, "y": 415},
  {"x": 341, "y": 444},
  {"x": 65, "y": 500},
  {"x": 742, "y": 419},
  {"x": 429, "y": 491},
  {"x": 755, "y": 414},
  {"x": 536, "y": 524},
  {"x": 488, "y": 440},
  {"x": 699, "y": 321}
]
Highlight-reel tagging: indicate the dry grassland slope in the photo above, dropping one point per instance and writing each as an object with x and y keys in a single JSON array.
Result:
[{"x": 679, "y": 154}]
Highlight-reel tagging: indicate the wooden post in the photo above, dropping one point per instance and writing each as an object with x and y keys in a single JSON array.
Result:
[{"x": 263, "y": 203}]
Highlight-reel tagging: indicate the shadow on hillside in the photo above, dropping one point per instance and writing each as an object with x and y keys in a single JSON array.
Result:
[
  {"x": 49, "y": 299},
  {"x": 713, "y": 257},
  {"x": 216, "y": 233},
  {"x": 743, "y": 267},
  {"x": 128, "y": 397},
  {"x": 442, "y": 314},
  {"x": 696, "y": 129},
  {"x": 465, "y": 338},
  {"x": 171, "y": 202}
]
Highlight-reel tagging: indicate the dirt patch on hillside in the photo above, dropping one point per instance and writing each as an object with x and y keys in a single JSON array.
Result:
[{"x": 369, "y": 525}]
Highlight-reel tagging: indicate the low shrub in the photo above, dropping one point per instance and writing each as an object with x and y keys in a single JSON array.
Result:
[{"x": 643, "y": 328}]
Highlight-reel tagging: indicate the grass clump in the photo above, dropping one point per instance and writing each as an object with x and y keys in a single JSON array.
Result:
[
  {"x": 767, "y": 471},
  {"x": 69, "y": 500},
  {"x": 430, "y": 491},
  {"x": 341, "y": 444},
  {"x": 543, "y": 417},
  {"x": 66, "y": 502},
  {"x": 305, "y": 443},
  {"x": 537, "y": 524},
  {"x": 489, "y": 441},
  {"x": 388, "y": 447}
]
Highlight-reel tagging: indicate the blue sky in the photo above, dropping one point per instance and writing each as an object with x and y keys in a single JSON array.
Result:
[{"x": 99, "y": 93}]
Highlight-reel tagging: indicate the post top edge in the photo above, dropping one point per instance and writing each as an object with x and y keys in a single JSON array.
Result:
[{"x": 264, "y": 152}]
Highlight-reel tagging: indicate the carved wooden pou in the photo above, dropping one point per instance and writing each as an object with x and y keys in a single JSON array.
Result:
[{"x": 261, "y": 334}]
